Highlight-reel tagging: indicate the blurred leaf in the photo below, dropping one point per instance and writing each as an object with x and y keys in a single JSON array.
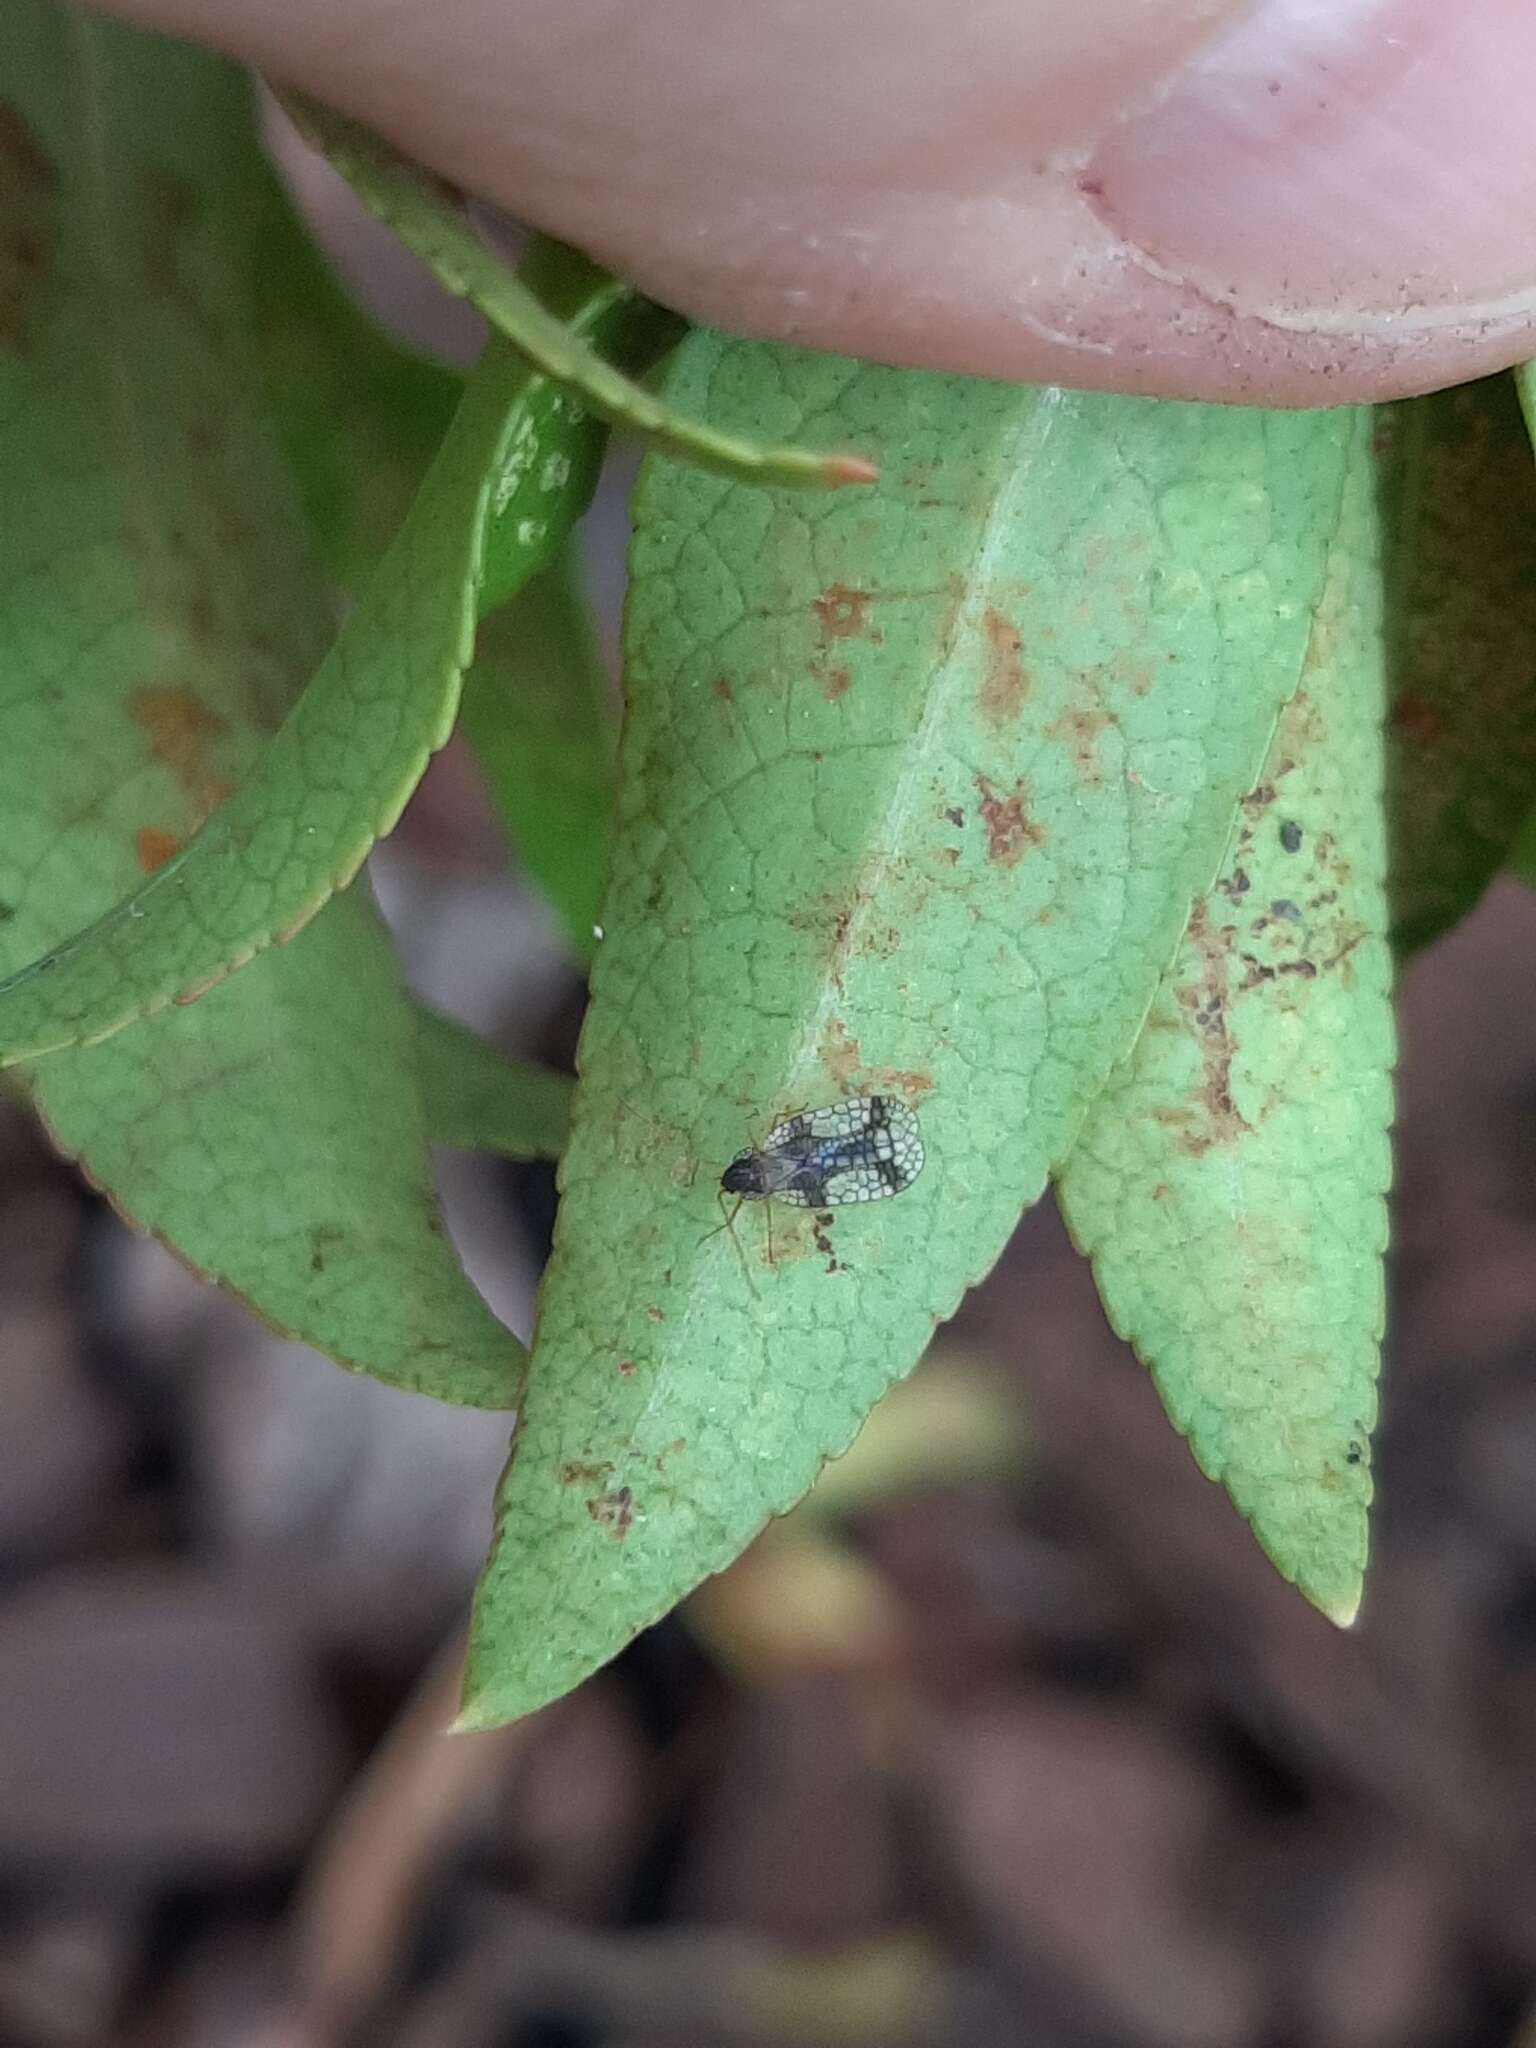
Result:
[
  {"x": 332, "y": 781},
  {"x": 553, "y": 462},
  {"x": 481, "y": 1101},
  {"x": 957, "y": 1422},
  {"x": 1230, "y": 1181},
  {"x": 274, "y": 1136},
  {"x": 338, "y": 774},
  {"x": 539, "y": 713},
  {"x": 358, "y": 416},
  {"x": 1458, "y": 496},
  {"x": 1522, "y": 855},
  {"x": 430, "y": 222},
  {"x": 161, "y": 608},
  {"x": 917, "y": 788}
]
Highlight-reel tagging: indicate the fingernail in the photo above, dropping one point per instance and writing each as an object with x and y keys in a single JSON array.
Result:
[{"x": 1337, "y": 159}]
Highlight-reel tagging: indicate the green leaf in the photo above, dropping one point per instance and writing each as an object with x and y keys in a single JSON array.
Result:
[
  {"x": 431, "y": 224},
  {"x": 332, "y": 781},
  {"x": 274, "y": 1136},
  {"x": 917, "y": 788},
  {"x": 358, "y": 417},
  {"x": 1230, "y": 1181},
  {"x": 1458, "y": 493},
  {"x": 481, "y": 1101},
  {"x": 353, "y": 413},
  {"x": 552, "y": 464},
  {"x": 1522, "y": 855},
  {"x": 160, "y": 607},
  {"x": 338, "y": 774},
  {"x": 539, "y": 714}
]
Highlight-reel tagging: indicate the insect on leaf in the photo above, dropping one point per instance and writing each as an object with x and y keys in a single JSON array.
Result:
[
  {"x": 863, "y": 1150},
  {"x": 917, "y": 786}
]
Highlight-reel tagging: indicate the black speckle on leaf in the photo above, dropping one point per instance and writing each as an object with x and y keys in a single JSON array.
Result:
[{"x": 1290, "y": 836}]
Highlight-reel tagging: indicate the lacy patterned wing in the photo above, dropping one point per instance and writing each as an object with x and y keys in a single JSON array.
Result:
[{"x": 862, "y": 1150}]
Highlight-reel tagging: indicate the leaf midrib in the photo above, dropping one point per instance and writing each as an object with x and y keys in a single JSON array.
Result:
[{"x": 993, "y": 533}]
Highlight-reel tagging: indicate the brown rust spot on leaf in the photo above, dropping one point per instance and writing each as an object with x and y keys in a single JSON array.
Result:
[
  {"x": 1303, "y": 966},
  {"x": 1009, "y": 830},
  {"x": 154, "y": 846},
  {"x": 833, "y": 682},
  {"x": 171, "y": 204},
  {"x": 232, "y": 529},
  {"x": 903, "y": 1081},
  {"x": 181, "y": 727},
  {"x": 614, "y": 1512},
  {"x": 575, "y": 1472},
  {"x": 173, "y": 199},
  {"x": 839, "y": 922},
  {"x": 28, "y": 184},
  {"x": 1216, "y": 1119},
  {"x": 821, "y": 1229},
  {"x": 23, "y": 160},
  {"x": 202, "y": 619},
  {"x": 1416, "y": 720},
  {"x": 1005, "y": 685},
  {"x": 841, "y": 612},
  {"x": 1078, "y": 729},
  {"x": 1135, "y": 673},
  {"x": 720, "y": 689},
  {"x": 840, "y": 1054}
]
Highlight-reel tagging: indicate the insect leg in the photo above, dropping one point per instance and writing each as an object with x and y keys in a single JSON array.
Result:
[
  {"x": 729, "y": 1224},
  {"x": 729, "y": 1216}
]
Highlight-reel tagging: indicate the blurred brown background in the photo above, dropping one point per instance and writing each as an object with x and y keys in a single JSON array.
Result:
[{"x": 1019, "y": 1741}]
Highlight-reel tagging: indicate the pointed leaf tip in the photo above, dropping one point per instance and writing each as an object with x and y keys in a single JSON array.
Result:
[
  {"x": 902, "y": 813},
  {"x": 1230, "y": 1182},
  {"x": 852, "y": 469}
]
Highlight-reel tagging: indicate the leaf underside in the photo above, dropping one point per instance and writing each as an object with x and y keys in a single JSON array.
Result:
[
  {"x": 160, "y": 609},
  {"x": 331, "y": 779},
  {"x": 1230, "y": 1182},
  {"x": 433, "y": 225},
  {"x": 1457, "y": 487},
  {"x": 917, "y": 786}
]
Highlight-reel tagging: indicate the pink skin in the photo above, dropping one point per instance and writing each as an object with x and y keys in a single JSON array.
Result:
[{"x": 1293, "y": 202}]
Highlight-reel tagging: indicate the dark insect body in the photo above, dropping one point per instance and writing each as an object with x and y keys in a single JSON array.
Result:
[{"x": 862, "y": 1150}]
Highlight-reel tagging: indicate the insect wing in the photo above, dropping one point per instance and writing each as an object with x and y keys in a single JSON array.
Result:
[{"x": 862, "y": 1150}]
